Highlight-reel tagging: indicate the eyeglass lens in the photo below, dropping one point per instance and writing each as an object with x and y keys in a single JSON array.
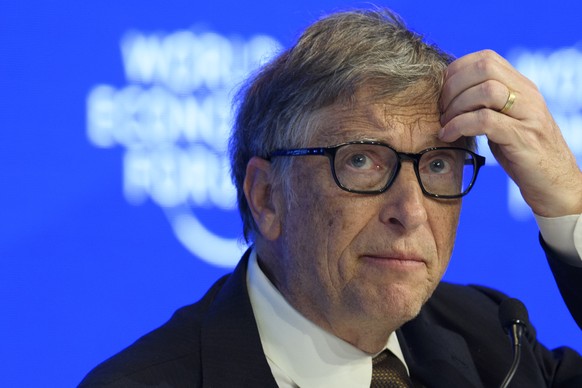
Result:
[{"x": 371, "y": 167}]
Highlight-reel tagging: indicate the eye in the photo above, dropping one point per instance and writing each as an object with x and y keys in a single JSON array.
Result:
[
  {"x": 441, "y": 162},
  {"x": 439, "y": 166},
  {"x": 362, "y": 158},
  {"x": 359, "y": 161}
]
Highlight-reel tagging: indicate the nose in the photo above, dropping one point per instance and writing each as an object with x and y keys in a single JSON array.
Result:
[{"x": 404, "y": 202}]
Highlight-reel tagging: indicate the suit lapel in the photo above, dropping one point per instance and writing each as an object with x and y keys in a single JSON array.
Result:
[
  {"x": 232, "y": 355},
  {"x": 437, "y": 357}
]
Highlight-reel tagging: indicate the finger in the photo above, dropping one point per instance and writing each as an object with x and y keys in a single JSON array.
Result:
[
  {"x": 477, "y": 56},
  {"x": 490, "y": 94},
  {"x": 477, "y": 68},
  {"x": 472, "y": 75},
  {"x": 497, "y": 127}
]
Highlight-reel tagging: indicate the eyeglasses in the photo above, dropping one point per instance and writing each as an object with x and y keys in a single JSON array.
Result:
[{"x": 369, "y": 167}]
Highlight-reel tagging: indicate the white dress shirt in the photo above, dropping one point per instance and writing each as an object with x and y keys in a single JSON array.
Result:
[
  {"x": 301, "y": 354},
  {"x": 564, "y": 234}
]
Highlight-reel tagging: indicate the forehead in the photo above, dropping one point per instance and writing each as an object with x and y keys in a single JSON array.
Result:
[{"x": 402, "y": 121}]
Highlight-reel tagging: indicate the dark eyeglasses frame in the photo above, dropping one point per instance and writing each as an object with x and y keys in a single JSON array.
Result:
[{"x": 330, "y": 152}]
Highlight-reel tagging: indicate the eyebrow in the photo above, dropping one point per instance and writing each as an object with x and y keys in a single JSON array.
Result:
[{"x": 339, "y": 136}]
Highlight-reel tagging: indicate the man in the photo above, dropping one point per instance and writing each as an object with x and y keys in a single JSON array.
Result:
[{"x": 350, "y": 154}]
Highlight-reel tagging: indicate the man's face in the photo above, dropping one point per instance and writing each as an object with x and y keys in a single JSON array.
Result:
[{"x": 350, "y": 261}]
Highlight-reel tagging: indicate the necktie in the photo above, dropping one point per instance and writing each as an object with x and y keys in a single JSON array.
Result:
[{"x": 389, "y": 372}]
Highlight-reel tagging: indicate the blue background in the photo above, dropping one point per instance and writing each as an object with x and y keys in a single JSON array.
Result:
[{"x": 83, "y": 273}]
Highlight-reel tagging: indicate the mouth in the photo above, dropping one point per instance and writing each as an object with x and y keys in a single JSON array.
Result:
[{"x": 395, "y": 261}]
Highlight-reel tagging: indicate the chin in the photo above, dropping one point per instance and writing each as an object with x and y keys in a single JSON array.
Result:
[{"x": 403, "y": 304}]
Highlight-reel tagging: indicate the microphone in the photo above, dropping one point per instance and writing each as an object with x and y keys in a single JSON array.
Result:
[{"x": 514, "y": 319}]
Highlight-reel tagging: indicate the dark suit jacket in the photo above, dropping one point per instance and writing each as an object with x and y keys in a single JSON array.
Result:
[{"x": 456, "y": 341}]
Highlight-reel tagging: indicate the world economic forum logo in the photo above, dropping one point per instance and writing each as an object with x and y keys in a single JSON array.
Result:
[{"x": 173, "y": 116}]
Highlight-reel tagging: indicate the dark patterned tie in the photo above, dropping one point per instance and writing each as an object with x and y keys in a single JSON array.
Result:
[{"x": 389, "y": 372}]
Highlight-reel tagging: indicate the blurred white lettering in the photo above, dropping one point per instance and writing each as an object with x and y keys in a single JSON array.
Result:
[
  {"x": 173, "y": 118},
  {"x": 174, "y": 115}
]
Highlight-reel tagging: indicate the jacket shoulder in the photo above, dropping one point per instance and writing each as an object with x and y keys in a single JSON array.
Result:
[
  {"x": 472, "y": 312},
  {"x": 462, "y": 308}
]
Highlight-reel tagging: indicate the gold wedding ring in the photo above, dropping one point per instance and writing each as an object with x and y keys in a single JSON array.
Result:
[{"x": 508, "y": 103}]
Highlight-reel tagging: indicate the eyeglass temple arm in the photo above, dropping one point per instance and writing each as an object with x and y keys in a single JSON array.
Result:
[{"x": 299, "y": 152}]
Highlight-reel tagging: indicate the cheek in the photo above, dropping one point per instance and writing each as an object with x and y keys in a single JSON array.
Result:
[
  {"x": 444, "y": 222},
  {"x": 307, "y": 224},
  {"x": 324, "y": 229},
  {"x": 333, "y": 226},
  {"x": 322, "y": 223},
  {"x": 322, "y": 211}
]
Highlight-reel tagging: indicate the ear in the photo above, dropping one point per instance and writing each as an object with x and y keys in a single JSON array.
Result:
[{"x": 258, "y": 192}]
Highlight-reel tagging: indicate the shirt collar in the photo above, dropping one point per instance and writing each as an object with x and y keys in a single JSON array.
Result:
[{"x": 303, "y": 351}]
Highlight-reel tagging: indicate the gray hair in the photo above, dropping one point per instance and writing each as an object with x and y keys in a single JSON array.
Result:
[{"x": 332, "y": 59}]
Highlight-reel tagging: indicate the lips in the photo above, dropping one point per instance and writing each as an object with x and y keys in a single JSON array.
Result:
[{"x": 396, "y": 258}]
